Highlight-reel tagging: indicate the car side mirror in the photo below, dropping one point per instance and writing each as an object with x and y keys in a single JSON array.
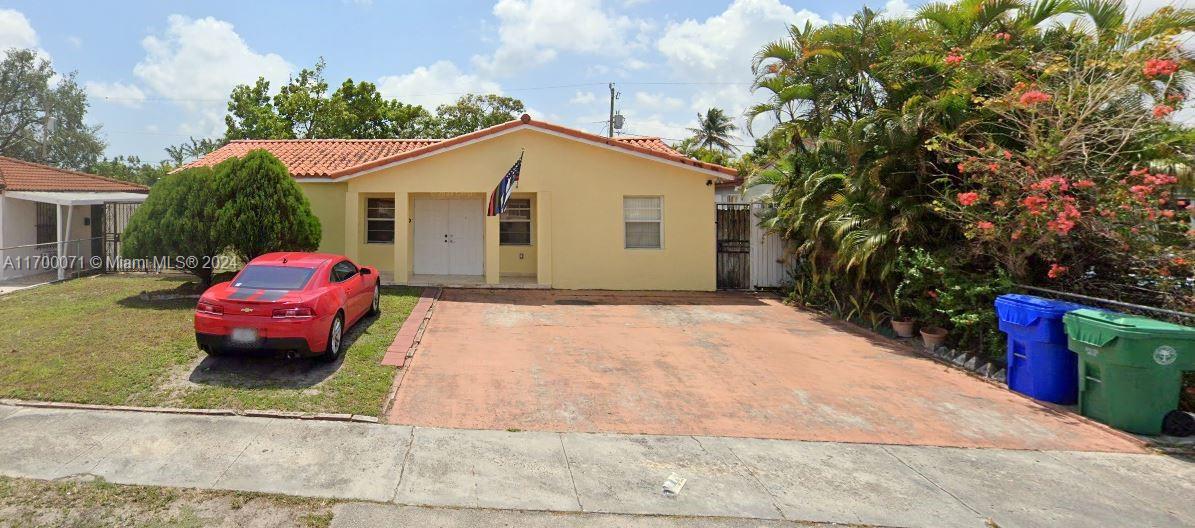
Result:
[{"x": 365, "y": 271}]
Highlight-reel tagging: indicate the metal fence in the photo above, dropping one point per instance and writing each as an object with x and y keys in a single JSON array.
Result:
[{"x": 52, "y": 260}]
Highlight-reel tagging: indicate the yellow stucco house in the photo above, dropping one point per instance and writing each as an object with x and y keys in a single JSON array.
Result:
[{"x": 589, "y": 212}]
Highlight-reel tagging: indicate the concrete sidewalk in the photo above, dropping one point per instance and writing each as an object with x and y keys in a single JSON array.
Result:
[{"x": 618, "y": 474}]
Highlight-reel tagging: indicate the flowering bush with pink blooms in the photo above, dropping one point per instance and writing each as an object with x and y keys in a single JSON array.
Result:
[{"x": 1062, "y": 180}]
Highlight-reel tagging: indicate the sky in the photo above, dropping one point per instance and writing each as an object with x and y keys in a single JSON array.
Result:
[{"x": 159, "y": 72}]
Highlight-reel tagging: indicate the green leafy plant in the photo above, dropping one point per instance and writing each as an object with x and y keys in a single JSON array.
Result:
[
  {"x": 177, "y": 221},
  {"x": 262, "y": 209}
]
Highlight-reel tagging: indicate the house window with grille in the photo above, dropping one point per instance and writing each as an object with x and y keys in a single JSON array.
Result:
[
  {"x": 379, "y": 221},
  {"x": 515, "y": 226},
  {"x": 643, "y": 218},
  {"x": 47, "y": 223}
]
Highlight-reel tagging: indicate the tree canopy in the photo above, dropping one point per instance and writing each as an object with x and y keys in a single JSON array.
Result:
[
  {"x": 178, "y": 219},
  {"x": 262, "y": 209},
  {"x": 303, "y": 108},
  {"x": 977, "y": 141},
  {"x": 41, "y": 120}
]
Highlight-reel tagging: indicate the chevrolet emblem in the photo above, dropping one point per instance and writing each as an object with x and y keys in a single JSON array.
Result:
[{"x": 246, "y": 310}]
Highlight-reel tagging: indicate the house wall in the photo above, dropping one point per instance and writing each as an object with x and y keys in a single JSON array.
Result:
[
  {"x": 327, "y": 202},
  {"x": 579, "y": 190},
  {"x": 726, "y": 194},
  {"x": 18, "y": 227}
]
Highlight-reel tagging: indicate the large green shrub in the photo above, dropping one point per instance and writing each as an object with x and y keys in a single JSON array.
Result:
[
  {"x": 938, "y": 290},
  {"x": 263, "y": 210},
  {"x": 177, "y": 222}
]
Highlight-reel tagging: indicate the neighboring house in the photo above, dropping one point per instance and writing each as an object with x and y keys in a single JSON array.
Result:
[
  {"x": 47, "y": 212},
  {"x": 727, "y": 191},
  {"x": 589, "y": 212}
]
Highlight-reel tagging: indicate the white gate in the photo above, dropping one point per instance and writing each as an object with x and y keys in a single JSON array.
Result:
[{"x": 769, "y": 260}]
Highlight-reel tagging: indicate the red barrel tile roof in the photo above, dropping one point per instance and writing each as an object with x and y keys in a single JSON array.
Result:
[
  {"x": 333, "y": 158},
  {"x": 17, "y": 175},
  {"x": 315, "y": 158}
]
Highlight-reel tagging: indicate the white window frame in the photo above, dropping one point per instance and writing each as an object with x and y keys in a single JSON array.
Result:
[
  {"x": 368, "y": 218},
  {"x": 530, "y": 213},
  {"x": 625, "y": 220}
]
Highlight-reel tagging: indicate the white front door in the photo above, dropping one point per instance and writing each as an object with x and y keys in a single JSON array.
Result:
[
  {"x": 466, "y": 224},
  {"x": 448, "y": 236}
]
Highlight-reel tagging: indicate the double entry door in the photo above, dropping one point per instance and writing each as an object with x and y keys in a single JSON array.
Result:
[{"x": 448, "y": 236}]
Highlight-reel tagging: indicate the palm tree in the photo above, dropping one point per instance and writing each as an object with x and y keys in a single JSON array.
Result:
[{"x": 713, "y": 131}]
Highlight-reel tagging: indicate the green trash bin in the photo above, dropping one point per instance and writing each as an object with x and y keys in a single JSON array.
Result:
[{"x": 1130, "y": 368}]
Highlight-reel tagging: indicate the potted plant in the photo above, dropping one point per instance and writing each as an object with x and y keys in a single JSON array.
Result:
[
  {"x": 902, "y": 325},
  {"x": 933, "y": 337},
  {"x": 918, "y": 290}
]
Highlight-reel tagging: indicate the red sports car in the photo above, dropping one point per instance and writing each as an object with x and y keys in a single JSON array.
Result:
[{"x": 295, "y": 304}]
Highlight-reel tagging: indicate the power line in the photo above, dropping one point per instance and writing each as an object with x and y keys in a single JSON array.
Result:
[
  {"x": 682, "y": 139},
  {"x": 440, "y": 94}
]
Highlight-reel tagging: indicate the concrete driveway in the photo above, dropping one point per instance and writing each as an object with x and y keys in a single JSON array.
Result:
[{"x": 708, "y": 364}]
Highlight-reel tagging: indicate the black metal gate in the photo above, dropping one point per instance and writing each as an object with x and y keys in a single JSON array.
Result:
[
  {"x": 116, "y": 218},
  {"x": 734, "y": 246}
]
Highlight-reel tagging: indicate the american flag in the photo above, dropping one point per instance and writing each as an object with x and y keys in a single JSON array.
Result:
[{"x": 505, "y": 186}]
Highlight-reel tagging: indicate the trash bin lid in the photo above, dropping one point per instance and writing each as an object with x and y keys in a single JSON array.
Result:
[
  {"x": 1025, "y": 309},
  {"x": 1130, "y": 325}
]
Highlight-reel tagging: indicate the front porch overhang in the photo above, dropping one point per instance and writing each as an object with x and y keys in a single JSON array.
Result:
[{"x": 76, "y": 197}]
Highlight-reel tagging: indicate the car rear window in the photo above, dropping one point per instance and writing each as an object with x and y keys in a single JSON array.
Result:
[{"x": 273, "y": 277}]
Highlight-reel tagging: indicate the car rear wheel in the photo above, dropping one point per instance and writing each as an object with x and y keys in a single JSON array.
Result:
[
  {"x": 376, "y": 307},
  {"x": 335, "y": 340}
]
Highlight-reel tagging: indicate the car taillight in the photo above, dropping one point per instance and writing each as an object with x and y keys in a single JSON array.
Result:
[
  {"x": 209, "y": 308},
  {"x": 300, "y": 312}
]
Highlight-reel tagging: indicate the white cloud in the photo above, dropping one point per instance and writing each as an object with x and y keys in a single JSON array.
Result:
[
  {"x": 198, "y": 62},
  {"x": 658, "y": 101},
  {"x": 897, "y": 9},
  {"x": 583, "y": 98},
  {"x": 117, "y": 93},
  {"x": 74, "y": 41},
  {"x": 720, "y": 48},
  {"x": 16, "y": 31},
  {"x": 723, "y": 44},
  {"x": 534, "y": 32},
  {"x": 430, "y": 86},
  {"x": 634, "y": 64}
]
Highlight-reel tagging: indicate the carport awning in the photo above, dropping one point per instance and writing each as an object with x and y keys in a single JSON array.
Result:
[{"x": 76, "y": 198}]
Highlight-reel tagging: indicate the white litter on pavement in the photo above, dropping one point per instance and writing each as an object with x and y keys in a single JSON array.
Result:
[{"x": 673, "y": 485}]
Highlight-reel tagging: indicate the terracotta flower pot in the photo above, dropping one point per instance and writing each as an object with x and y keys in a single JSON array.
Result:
[
  {"x": 933, "y": 337},
  {"x": 903, "y": 326}
]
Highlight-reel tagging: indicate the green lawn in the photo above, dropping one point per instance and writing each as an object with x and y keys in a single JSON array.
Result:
[
  {"x": 93, "y": 340},
  {"x": 30, "y": 503}
]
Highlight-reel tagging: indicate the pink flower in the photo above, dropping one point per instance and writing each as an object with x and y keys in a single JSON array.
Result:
[
  {"x": 985, "y": 225},
  {"x": 1033, "y": 97},
  {"x": 968, "y": 198},
  {"x": 1162, "y": 110},
  {"x": 1056, "y": 271},
  {"x": 1156, "y": 67},
  {"x": 1084, "y": 184},
  {"x": 1034, "y": 203},
  {"x": 954, "y": 59},
  {"x": 1004, "y": 36},
  {"x": 1046, "y": 184}
]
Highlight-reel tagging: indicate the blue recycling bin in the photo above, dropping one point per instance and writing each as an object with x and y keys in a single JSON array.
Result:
[{"x": 1039, "y": 363}]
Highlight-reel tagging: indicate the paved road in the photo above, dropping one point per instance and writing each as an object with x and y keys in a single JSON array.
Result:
[{"x": 604, "y": 473}]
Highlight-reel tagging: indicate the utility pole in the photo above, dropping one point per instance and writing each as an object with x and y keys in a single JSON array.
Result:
[{"x": 610, "y": 123}]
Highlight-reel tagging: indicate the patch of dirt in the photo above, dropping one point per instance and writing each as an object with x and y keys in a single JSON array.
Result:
[{"x": 673, "y": 315}]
